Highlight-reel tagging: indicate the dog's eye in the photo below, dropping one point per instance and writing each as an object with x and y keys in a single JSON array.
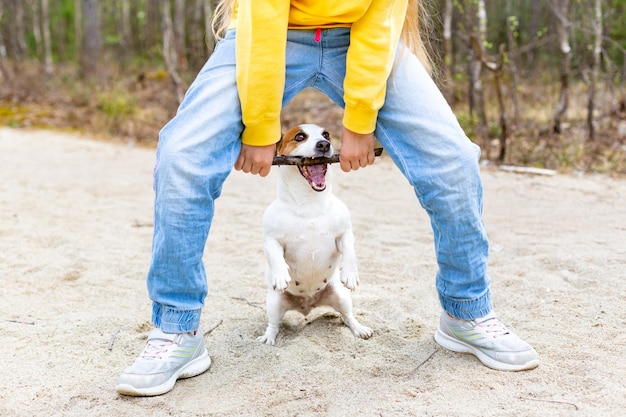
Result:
[
  {"x": 326, "y": 135},
  {"x": 300, "y": 136}
]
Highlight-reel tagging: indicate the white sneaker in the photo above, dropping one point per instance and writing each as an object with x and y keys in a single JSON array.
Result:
[
  {"x": 487, "y": 339},
  {"x": 166, "y": 358}
]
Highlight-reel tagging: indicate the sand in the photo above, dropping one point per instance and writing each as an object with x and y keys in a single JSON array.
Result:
[{"x": 75, "y": 236}]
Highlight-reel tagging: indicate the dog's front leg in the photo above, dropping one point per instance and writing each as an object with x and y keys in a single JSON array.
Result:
[
  {"x": 349, "y": 271},
  {"x": 277, "y": 273}
]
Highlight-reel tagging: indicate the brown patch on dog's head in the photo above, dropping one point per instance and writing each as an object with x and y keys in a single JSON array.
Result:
[{"x": 289, "y": 141}]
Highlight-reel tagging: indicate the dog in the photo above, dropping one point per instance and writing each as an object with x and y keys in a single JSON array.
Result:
[{"x": 307, "y": 238}]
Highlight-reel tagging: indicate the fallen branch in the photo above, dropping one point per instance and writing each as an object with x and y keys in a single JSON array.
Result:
[
  {"x": 306, "y": 161},
  {"x": 32, "y": 323},
  {"x": 213, "y": 328},
  {"x": 527, "y": 170},
  {"x": 112, "y": 340},
  {"x": 248, "y": 302},
  {"x": 549, "y": 401},
  {"x": 137, "y": 223},
  {"x": 414, "y": 371}
]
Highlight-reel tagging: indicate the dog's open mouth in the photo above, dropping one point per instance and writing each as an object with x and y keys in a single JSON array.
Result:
[{"x": 315, "y": 175}]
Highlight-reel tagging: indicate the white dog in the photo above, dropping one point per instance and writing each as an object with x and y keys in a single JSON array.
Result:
[{"x": 308, "y": 238}]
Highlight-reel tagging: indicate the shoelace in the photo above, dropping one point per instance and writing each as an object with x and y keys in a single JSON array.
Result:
[
  {"x": 155, "y": 349},
  {"x": 492, "y": 325}
]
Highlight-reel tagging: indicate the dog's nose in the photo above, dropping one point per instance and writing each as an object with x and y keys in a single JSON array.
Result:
[{"x": 322, "y": 146}]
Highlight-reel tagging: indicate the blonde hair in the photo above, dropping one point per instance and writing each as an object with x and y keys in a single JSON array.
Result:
[
  {"x": 416, "y": 30},
  {"x": 416, "y": 21},
  {"x": 221, "y": 18}
]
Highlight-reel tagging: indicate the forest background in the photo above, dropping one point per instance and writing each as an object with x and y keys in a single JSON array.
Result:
[{"x": 536, "y": 83}]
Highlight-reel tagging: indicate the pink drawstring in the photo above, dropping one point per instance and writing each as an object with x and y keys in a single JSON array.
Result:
[{"x": 318, "y": 34}]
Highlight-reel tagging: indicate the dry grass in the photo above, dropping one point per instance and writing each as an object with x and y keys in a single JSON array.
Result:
[{"x": 532, "y": 141}]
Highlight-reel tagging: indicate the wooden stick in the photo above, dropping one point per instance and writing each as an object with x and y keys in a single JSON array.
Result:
[
  {"x": 549, "y": 401},
  {"x": 414, "y": 371},
  {"x": 112, "y": 339},
  {"x": 32, "y": 323},
  {"x": 213, "y": 328},
  {"x": 306, "y": 161}
]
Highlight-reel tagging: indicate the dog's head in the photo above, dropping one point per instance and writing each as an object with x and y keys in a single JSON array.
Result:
[{"x": 310, "y": 141}]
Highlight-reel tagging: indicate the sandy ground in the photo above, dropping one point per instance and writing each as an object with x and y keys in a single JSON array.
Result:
[{"x": 75, "y": 235}]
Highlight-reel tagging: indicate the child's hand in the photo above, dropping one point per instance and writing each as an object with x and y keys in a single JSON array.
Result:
[
  {"x": 256, "y": 159},
  {"x": 357, "y": 150}
]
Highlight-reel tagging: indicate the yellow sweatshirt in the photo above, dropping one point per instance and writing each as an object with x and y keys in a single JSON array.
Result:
[{"x": 261, "y": 41}]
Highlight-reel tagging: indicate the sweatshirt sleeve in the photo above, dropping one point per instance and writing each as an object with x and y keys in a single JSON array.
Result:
[
  {"x": 260, "y": 49},
  {"x": 373, "y": 41}
]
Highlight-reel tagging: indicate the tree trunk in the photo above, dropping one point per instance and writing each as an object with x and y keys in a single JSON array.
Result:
[
  {"x": 512, "y": 26},
  {"x": 597, "y": 50},
  {"x": 78, "y": 28},
  {"x": 169, "y": 52},
  {"x": 36, "y": 27},
  {"x": 153, "y": 17},
  {"x": 208, "y": 19},
  {"x": 4, "y": 67},
  {"x": 533, "y": 29},
  {"x": 198, "y": 33},
  {"x": 122, "y": 26},
  {"x": 477, "y": 24},
  {"x": 179, "y": 33},
  {"x": 504, "y": 126},
  {"x": 20, "y": 41},
  {"x": 482, "y": 21},
  {"x": 47, "y": 39},
  {"x": 496, "y": 68},
  {"x": 561, "y": 10},
  {"x": 476, "y": 102},
  {"x": 92, "y": 43}
]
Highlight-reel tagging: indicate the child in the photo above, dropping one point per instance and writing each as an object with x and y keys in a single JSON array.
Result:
[{"x": 366, "y": 56}]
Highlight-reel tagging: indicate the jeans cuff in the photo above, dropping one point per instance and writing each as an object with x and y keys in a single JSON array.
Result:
[
  {"x": 175, "y": 321},
  {"x": 467, "y": 309}
]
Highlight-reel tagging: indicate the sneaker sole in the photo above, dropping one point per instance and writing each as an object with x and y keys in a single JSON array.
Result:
[
  {"x": 193, "y": 368},
  {"x": 457, "y": 345}
]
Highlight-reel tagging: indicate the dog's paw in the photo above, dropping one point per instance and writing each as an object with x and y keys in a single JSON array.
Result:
[
  {"x": 269, "y": 337},
  {"x": 280, "y": 280},
  {"x": 357, "y": 328},
  {"x": 266, "y": 340},
  {"x": 361, "y": 331},
  {"x": 350, "y": 278}
]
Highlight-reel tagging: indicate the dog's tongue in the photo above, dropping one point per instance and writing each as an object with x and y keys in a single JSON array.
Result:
[{"x": 317, "y": 174}]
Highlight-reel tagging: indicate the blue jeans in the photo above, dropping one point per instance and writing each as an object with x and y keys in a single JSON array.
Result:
[{"x": 198, "y": 148}]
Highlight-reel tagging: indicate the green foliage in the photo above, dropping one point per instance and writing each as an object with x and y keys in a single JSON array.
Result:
[
  {"x": 12, "y": 116},
  {"x": 610, "y": 160},
  {"x": 116, "y": 104},
  {"x": 62, "y": 27},
  {"x": 467, "y": 123},
  {"x": 495, "y": 130}
]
